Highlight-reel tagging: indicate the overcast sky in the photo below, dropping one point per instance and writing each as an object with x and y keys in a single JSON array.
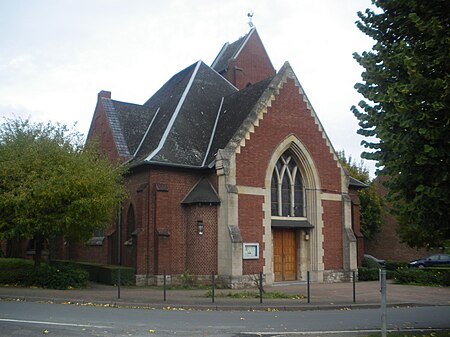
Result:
[{"x": 56, "y": 55}]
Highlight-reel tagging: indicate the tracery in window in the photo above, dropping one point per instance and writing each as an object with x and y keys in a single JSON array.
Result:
[{"x": 287, "y": 188}]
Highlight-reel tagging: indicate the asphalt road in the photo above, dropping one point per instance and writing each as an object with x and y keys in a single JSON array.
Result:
[{"x": 37, "y": 319}]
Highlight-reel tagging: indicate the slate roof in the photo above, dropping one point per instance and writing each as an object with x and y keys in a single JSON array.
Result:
[
  {"x": 229, "y": 52},
  {"x": 192, "y": 116},
  {"x": 133, "y": 120},
  {"x": 357, "y": 183},
  {"x": 185, "y": 122},
  {"x": 187, "y": 107},
  {"x": 202, "y": 193},
  {"x": 235, "y": 109}
]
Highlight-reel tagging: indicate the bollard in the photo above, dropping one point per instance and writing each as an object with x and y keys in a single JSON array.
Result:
[
  {"x": 260, "y": 287},
  {"x": 309, "y": 289},
  {"x": 165, "y": 298},
  {"x": 212, "y": 287}
]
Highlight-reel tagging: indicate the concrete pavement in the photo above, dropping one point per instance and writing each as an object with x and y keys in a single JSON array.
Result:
[{"x": 322, "y": 296}]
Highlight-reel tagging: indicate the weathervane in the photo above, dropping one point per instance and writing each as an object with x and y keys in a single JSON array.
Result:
[{"x": 250, "y": 16}]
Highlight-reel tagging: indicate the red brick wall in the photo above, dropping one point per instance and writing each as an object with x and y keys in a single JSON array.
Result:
[
  {"x": 183, "y": 250},
  {"x": 252, "y": 64},
  {"x": 289, "y": 114},
  {"x": 96, "y": 254},
  {"x": 171, "y": 215},
  {"x": 250, "y": 223},
  {"x": 333, "y": 236},
  {"x": 201, "y": 250},
  {"x": 139, "y": 195}
]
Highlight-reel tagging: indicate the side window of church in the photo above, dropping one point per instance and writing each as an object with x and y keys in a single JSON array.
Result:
[
  {"x": 130, "y": 222},
  {"x": 287, "y": 188}
]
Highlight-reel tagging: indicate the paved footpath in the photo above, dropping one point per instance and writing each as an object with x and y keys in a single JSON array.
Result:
[{"x": 322, "y": 296}]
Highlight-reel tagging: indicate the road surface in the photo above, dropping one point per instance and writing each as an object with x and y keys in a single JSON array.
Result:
[{"x": 69, "y": 320}]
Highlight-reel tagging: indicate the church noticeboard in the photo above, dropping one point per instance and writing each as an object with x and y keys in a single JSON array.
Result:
[{"x": 250, "y": 251}]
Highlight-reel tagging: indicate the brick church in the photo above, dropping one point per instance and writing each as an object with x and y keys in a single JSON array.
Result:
[{"x": 230, "y": 171}]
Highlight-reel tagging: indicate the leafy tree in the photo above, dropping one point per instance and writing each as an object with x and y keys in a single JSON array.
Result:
[
  {"x": 370, "y": 203},
  {"x": 406, "y": 115},
  {"x": 51, "y": 184}
]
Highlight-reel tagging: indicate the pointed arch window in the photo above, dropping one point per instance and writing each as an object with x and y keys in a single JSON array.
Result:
[
  {"x": 131, "y": 223},
  {"x": 287, "y": 188}
]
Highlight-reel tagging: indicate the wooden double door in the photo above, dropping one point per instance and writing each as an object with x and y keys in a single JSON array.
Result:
[{"x": 285, "y": 254}]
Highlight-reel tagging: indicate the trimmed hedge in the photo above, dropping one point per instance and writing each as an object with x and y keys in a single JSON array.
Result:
[
  {"x": 22, "y": 272},
  {"x": 369, "y": 263},
  {"x": 423, "y": 276},
  {"x": 62, "y": 277},
  {"x": 100, "y": 273},
  {"x": 368, "y": 274},
  {"x": 402, "y": 274},
  {"x": 370, "y": 269},
  {"x": 15, "y": 271},
  {"x": 395, "y": 265}
]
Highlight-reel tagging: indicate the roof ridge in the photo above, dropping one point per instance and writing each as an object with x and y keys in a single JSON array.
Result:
[
  {"x": 146, "y": 132},
  {"x": 225, "y": 79},
  {"x": 236, "y": 54},
  {"x": 213, "y": 132},
  {"x": 230, "y": 51},
  {"x": 224, "y": 47},
  {"x": 239, "y": 121},
  {"x": 175, "y": 114}
]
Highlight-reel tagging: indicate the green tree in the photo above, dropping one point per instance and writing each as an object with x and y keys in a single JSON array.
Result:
[
  {"x": 370, "y": 203},
  {"x": 406, "y": 115},
  {"x": 51, "y": 184}
]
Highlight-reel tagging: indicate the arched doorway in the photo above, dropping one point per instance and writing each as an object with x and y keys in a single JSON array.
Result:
[
  {"x": 287, "y": 203},
  {"x": 293, "y": 214}
]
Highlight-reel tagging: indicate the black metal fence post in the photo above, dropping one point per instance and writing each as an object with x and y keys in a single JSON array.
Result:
[
  {"x": 119, "y": 281},
  {"x": 354, "y": 286},
  {"x": 212, "y": 293},
  {"x": 383, "y": 302},
  {"x": 260, "y": 287},
  {"x": 119, "y": 247},
  {"x": 309, "y": 287},
  {"x": 165, "y": 298}
]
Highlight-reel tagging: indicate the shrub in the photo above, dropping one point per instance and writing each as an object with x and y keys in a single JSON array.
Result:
[
  {"x": 13, "y": 263},
  {"x": 368, "y": 274},
  {"x": 14, "y": 271},
  {"x": 187, "y": 280},
  {"x": 369, "y": 263},
  {"x": 61, "y": 277},
  {"x": 106, "y": 274},
  {"x": 425, "y": 276},
  {"x": 394, "y": 265},
  {"x": 22, "y": 272}
]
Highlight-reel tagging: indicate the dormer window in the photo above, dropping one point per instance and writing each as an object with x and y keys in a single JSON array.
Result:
[{"x": 287, "y": 188}]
